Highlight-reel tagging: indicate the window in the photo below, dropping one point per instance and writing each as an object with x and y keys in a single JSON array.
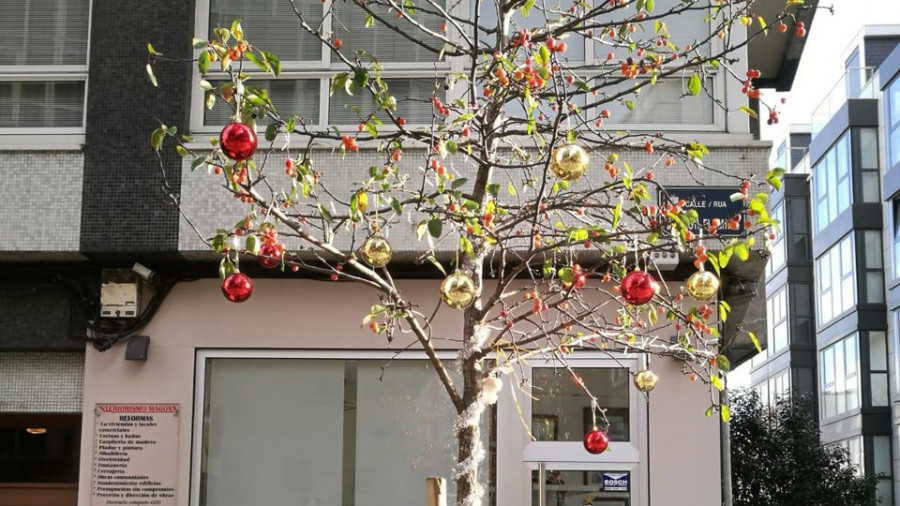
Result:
[
  {"x": 868, "y": 157},
  {"x": 839, "y": 375},
  {"x": 895, "y": 335},
  {"x": 881, "y": 468},
  {"x": 892, "y": 115},
  {"x": 781, "y": 156},
  {"x": 854, "y": 447},
  {"x": 874, "y": 267},
  {"x": 43, "y": 65},
  {"x": 835, "y": 280},
  {"x": 412, "y": 72},
  {"x": 777, "y": 246},
  {"x": 777, "y": 318},
  {"x": 896, "y": 243},
  {"x": 831, "y": 186},
  {"x": 322, "y": 431},
  {"x": 561, "y": 410},
  {"x": 878, "y": 369}
]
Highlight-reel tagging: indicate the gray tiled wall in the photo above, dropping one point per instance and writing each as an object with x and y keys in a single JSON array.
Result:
[
  {"x": 41, "y": 382},
  {"x": 208, "y": 205},
  {"x": 41, "y": 204}
]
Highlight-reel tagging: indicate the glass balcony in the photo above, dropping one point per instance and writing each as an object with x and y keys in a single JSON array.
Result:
[{"x": 857, "y": 82}]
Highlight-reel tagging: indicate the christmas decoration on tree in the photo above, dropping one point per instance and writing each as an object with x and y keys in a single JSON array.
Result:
[
  {"x": 702, "y": 285},
  {"x": 269, "y": 256},
  {"x": 458, "y": 290},
  {"x": 238, "y": 141},
  {"x": 237, "y": 287},
  {"x": 569, "y": 162},
  {"x": 638, "y": 287},
  {"x": 376, "y": 251},
  {"x": 596, "y": 441},
  {"x": 645, "y": 380}
]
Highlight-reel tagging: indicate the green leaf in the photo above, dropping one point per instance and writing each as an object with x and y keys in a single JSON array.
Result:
[
  {"x": 156, "y": 138},
  {"x": 273, "y": 61},
  {"x": 437, "y": 264},
  {"x": 251, "y": 244},
  {"x": 726, "y": 413},
  {"x": 458, "y": 183},
  {"x": 511, "y": 189},
  {"x": 203, "y": 62},
  {"x": 271, "y": 132},
  {"x": 360, "y": 78},
  {"x": 762, "y": 23},
  {"x": 466, "y": 245},
  {"x": 748, "y": 110},
  {"x": 629, "y": 104},
  {"x": 236, "y": 29},
  {"x": 151, "y": 76},
  {"x": 723, "y": 363},
  {"x": 198, "y": 42},
  {"x": 151, "y": 50},
  {"x": 709, "y": 412},
  {"x": 370, "y": 21},
  {"x": 181, "y": 150},
  {"x": 755, "y": 341},
  {"x": 526, "y": 7},
  {"x": 435, "y": 227},
  {"x": 396, "y": 206},
  {"x": 326, "y": 214},
  {"x": 543, "y": 55},
  {"x": 742, "y": 251},
  {"x": 773, "y": 177},
  {"x": 566, "y": 274},
  {"x": 694, "y": 85},
  {"x": 617, "y": 214},
  {"x": 717, "y": 382}
]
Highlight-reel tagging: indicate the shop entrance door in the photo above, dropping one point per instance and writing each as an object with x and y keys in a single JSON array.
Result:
[
  {"x": 576, "y": 487},
  {"x": 39, "y": 459}
]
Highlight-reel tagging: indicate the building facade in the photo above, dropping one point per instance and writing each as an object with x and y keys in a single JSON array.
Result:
[
  {"x": 832, "y": 337},
  {"x": 125, "y": 385}
]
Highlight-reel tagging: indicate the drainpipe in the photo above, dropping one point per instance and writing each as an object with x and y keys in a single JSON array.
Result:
[{"x": 725, "y": 446}]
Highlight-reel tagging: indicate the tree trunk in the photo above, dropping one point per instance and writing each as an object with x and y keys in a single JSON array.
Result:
[{"x": 469, "y": 491}]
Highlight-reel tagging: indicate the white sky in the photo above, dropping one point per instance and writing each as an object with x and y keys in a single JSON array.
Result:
[{"x": 820, "y": 69}]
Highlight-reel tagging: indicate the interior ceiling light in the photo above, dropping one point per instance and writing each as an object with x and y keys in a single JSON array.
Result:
[{"x": 36, "y": 430}]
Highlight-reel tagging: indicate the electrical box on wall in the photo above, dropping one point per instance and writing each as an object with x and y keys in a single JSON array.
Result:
[{"x": 120, "y": 294}]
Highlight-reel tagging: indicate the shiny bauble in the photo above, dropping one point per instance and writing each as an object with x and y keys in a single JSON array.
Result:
[
  {"x": 596, "y": 442},
  {"x": 458, "y": 290},
  {"x": 237, "y": 287},
  {"x": 645, "y": 380},
  {"x": 569, "y": 162},
  {"x": 376, "y": 251},
  {"x": 238, "y": 141},
  {"x": 702, "y": 285},
  {"x": 638, "y": 288},
  {"x": 269, "y": 256}
]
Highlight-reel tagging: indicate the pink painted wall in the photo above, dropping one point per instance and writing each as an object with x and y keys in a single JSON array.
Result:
[{"x": 303, "y": 314}]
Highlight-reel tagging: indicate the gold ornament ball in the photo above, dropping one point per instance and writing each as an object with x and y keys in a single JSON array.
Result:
[
  {"x": 376, "y": 251},
  {"x": 645, "y": 380},
  {"x": 569, "y": 162},
  {"x": 458, "y": 290},
  {"x": 703, "y": 285}
]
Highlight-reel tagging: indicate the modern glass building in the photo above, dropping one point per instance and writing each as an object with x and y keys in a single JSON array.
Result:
[{"x": 832, "y": 275}]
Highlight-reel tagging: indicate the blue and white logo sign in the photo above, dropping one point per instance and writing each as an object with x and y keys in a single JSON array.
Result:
[{"x": 616, "y": 482}]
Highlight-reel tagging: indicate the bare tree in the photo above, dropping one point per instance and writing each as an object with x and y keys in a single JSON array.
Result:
[{"x": 536, "y": 246}]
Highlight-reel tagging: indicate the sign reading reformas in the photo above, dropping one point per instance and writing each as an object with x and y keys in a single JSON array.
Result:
[{"x": 135, "y": 455}]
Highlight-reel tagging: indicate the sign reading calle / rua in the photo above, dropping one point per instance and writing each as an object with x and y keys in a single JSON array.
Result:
[{"x": 710, "y": 203}]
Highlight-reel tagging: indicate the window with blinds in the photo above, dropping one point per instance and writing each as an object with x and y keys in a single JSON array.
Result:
[{"x": 39, "y": 38}]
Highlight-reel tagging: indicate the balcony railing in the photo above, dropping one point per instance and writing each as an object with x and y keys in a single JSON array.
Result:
[
  {"x": 857, "y": 82},
  {"x": 786, "y": 158}
]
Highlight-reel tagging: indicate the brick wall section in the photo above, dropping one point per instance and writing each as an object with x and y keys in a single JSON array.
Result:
[
  {"x": 41, "y": 382},
  {"x": 208, "y": 205},
  {"x": 41, "y": 208},
  {"x": 124, "y": 208}
]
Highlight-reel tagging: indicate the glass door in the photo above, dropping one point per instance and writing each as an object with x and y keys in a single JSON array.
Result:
[{"x": 558, "y": 487}]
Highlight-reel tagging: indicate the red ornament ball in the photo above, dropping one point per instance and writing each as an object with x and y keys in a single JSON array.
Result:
[
  {"x": 638, "y": 288},
  {"x": 269, "y": 256},
  {"x": 237, "y": 287},
  {"x": 238, "y": 141},
  {"x": 596, "y": 442}
]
